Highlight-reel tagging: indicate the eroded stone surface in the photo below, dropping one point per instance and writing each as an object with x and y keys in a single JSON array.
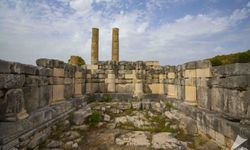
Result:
[{"x": 135, "y": 138}]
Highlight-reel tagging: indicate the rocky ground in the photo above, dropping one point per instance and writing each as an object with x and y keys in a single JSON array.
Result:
[{"x": 127, "y": 126}]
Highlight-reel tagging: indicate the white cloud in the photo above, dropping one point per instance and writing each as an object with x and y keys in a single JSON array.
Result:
[
  {"x": 58, "y": 34},
  {"x": 248, "y": 4}
]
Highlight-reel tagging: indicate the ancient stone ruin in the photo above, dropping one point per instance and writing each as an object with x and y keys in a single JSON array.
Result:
[{"x": 123, "y": 105}]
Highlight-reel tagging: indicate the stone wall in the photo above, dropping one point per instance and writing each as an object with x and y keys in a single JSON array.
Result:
[
  {"x": 33, "y": 98},
  {"x": 37, "y": 94}
]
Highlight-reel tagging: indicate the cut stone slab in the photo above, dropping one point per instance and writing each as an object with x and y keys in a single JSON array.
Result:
[
  {"x": 135, "y": 138},
  {"x": 164, "y": 140}
]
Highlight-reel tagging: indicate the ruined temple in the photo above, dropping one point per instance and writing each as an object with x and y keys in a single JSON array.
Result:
[{"x": 193, "y": 99}]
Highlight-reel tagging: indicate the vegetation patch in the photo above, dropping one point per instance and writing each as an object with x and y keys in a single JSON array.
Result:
[
  {"x": 242, "y": 57},
  {"x": 94, "y": 118},
  {"x": 169, "y": 106}
]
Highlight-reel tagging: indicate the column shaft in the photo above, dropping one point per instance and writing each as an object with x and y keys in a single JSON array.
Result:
[
  {"x": 115, "y": 44},
  {"x": 95, "y": 46}
]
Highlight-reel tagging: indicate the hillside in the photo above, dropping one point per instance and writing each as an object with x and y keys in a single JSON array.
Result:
[{"x": 241, "y": 57}]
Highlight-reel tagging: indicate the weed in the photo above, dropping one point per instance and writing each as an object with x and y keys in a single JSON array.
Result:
[
  {"x": 169, "y": 106},
  {"x": 94, "y": 118}
]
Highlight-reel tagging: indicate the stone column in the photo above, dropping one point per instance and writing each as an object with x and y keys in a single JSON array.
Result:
[
  {"x": 115, "y": 44},
  {"x": 95, "y": 46}
]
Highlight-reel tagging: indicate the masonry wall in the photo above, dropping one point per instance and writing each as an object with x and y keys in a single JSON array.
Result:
[
  {"x": 33, "y": 98},
  {"x": 40, "y": 93}
]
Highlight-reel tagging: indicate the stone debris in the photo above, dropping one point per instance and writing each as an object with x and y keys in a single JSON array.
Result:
[
  {"x": 106, "y": 118},
  {"x": 80, "y": 115}
]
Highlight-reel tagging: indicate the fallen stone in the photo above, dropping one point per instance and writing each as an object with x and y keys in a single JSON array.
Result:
[
  {"x": 80, "y": 116},
  {"x": 106, "y": 118},
  {"x": 75, "y": 145},
  {"x": 81, "y": 127},
  {"x": 55, "y": 144}
]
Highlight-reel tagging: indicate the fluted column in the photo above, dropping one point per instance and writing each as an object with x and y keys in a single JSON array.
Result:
[
  {"x": 95, "y": 46},
  {"x": 115, "y": 44}
]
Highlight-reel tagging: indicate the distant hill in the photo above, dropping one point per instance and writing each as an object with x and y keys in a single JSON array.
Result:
[{"x": 241, "y": 57}]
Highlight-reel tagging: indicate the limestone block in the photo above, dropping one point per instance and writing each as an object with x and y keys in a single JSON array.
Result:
[
  {"x": 45, "y": 95},
  {"x": 9, "y": 81},
  {"x": 190, "y": 94},
  {"x": 92, "y": 87},
  {"x": 217, "y": 99},
  {"x": 68, "y": 91},
  {"x": 190, "y": 73},
  {"x": 220, "y": 138},
  {"x": 111, "y": 87},
  {"x": 58, "y": 72},
  {"x": 180, "y": 92},
  {"x": 102, "y": 88},
  {"x": 24, "y": 69},
  {"x": 232, "y": 69},
  {"x": 92, "y": 67},
  {"x": 206, "y": 72},
  {"x": 202, "y": 82},
  {"x": 31, "y": 98},
  {"x": 69, "y": 71},
  {"x": 188, "y": 125},
  {"x": 50, "y": 63},
  {"x": 58, "y": 93},
  {"x": 155, "y": 81},
  {"x": 78, "y": 74},
  {"x": 88, "y": 76},
  {"x": 81, "y": 81},
  {"x": 130, "y": 76},
  {"x": 68, "y": 80},
  {"x": 5, "y": 66},
  {"x": 89, "y": 88},
  {"x": 170, "y": 80},
  {"x": 124, "y": 88},
  {"x": 203, "y": 97},
  {"x": 12, "y": 107},
  {"x": 156, "y": 88},
  {"x": 138, "y": 89},
  {"x": 83, "y": 88},
  {"x": 78, "y": 89},
  {"x": 43, "y": 62},
  {"x": 171, "y": 75},
  {"x": 190, "y": 82},
  {"x": 190, "y": 65},
  {"x": 172, "y": 91},
  {"x": 101, "y": 76},
  {"x": 236, "y": 103},
  {"x": 231, "y": 82},
  {"x": 58, "y": 80},
  {"x": 203, "y": 64},
  {"x": 121, "y": 76},
  {"x": 95, "y": 88}
]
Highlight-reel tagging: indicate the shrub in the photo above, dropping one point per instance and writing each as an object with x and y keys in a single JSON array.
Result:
[
  {"x": 94, "y": 118},
  {"x": 80, "y": 60}
]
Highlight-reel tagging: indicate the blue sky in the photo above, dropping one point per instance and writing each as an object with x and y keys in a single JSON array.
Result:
[{"x": 171, "y": 31}]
